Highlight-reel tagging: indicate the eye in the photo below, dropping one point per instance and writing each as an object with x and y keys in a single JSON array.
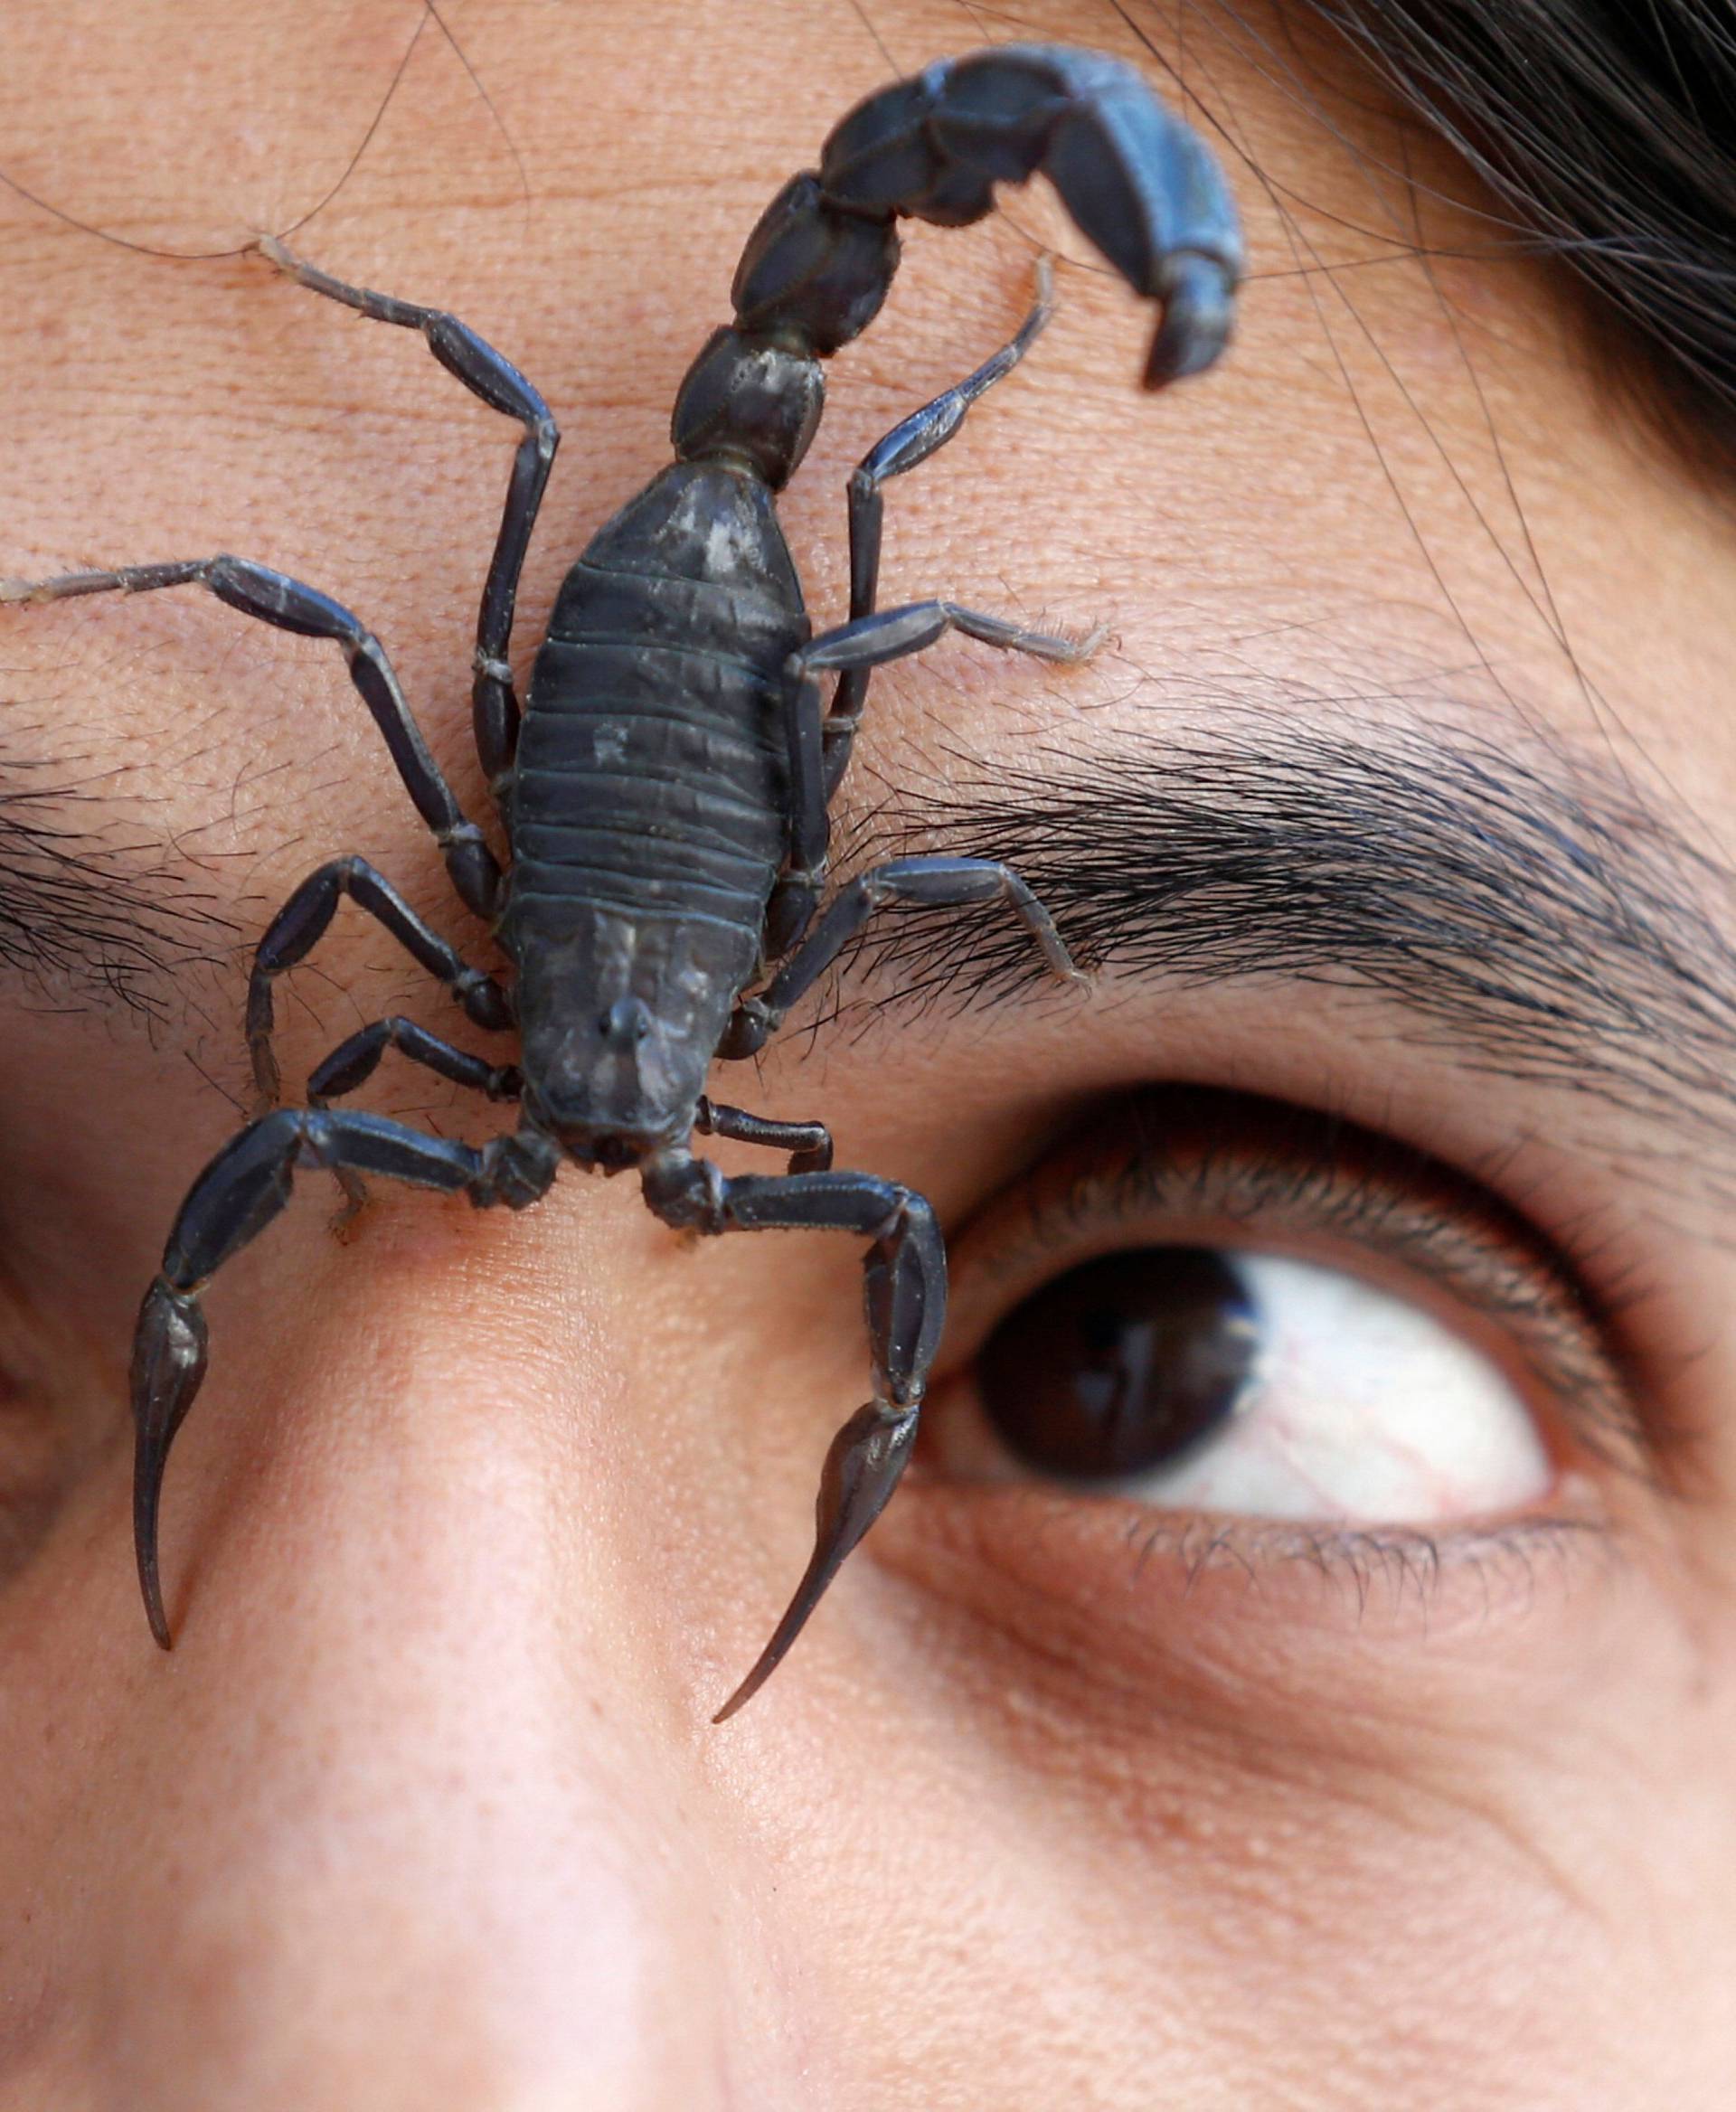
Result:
[
  {"x": 1208, "y": 1303},
  {"x": 1233, "y": 1380}
]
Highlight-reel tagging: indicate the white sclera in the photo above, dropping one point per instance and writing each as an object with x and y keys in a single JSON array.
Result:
[{"x": 1364, "y": 1409}]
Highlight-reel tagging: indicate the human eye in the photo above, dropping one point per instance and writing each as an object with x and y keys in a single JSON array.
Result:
[{"x": 1264, "y": 1339}]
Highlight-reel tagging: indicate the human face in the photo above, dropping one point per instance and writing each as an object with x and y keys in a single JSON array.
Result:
[{"x": 1399, "y": 1776}]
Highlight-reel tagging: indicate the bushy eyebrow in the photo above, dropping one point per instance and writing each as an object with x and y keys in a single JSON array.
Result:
[
  {"x": 1538, "y": 916},
  {"x": 1532, "y": 914},
  {"x": 84, "y": 917}
]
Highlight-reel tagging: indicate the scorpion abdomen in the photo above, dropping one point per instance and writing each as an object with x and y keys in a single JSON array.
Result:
[{"x": 647, "y": 800}]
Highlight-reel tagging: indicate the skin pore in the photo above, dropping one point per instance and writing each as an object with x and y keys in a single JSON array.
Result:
[{"x": 1060, "y": 1801}]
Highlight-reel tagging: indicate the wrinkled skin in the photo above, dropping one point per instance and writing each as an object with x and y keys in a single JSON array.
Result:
[{"x": 481, "y": 1516}]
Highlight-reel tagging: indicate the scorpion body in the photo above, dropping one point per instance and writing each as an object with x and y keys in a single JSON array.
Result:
[{"x": 664, "y": 793}]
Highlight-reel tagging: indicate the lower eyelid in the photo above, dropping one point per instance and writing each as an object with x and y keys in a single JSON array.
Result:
[{"x": 1118, "y": 1593}]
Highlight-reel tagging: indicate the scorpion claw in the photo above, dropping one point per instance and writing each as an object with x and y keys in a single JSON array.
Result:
[
  {"x": 168, "y": 1364},
  {"x": 862, "y": 1470}
]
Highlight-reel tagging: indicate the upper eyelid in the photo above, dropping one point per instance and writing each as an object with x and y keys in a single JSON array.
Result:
[{"x": 1468, "y": 1242}]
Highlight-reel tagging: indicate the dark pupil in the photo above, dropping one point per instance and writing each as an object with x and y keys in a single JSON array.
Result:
[{"x": 1120, "y": 1365}]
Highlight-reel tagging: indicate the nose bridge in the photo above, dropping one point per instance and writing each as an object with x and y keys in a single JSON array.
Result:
[{"x": 424, "y": 1830}]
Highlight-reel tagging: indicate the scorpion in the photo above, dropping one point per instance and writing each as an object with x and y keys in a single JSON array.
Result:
[{"x": 665, "y": 791}]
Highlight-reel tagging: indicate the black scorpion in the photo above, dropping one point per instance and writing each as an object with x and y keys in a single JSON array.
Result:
[{"x": 664, "y": 794}]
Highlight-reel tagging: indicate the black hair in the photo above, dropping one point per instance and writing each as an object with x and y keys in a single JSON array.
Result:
[{"x": 1605, "y": 132}]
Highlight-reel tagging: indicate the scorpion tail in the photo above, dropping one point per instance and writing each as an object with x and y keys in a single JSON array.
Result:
[
  {"x": 1140, "y": 184},
  {"x": 168, "y": 1364}
]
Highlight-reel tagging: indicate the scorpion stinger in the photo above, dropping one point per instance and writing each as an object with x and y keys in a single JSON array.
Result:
[{"x": 665, "y": 792}]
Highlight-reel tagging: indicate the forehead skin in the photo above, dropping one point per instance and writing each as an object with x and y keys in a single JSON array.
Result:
[{"x": 480, "y": 1517}]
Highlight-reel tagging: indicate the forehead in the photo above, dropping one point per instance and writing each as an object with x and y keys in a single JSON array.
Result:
[{"x": 1402, "y": 485}]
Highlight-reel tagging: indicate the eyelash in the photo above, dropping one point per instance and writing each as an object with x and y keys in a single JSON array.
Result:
[
  {"x": 1268, "y": 1174},
  {"x": 1399, "y": 1558}
]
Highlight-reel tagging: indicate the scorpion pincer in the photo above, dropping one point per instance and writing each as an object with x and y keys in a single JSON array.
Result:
[{"x": 665, "y": 792}]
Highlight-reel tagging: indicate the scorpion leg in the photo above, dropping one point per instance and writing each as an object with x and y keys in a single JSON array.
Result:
[
  {"x": 908, "y": 443},
  {"x": 856, "y": 647},
  {"x": 353, "y": 1062},
  {"x": 239, "y": 1194},
  {"x": 904, "y": 1280},
  {"x": 893, "y": 634},
  {"x": 930, "y": 882},
  {"x": 501, "y": 386},
  {"x": 275, "y": 598},
  {"x": 809, "y": 1143},
  {"x": 302, "y": 921},
  {"x": 819, "y": 748}
]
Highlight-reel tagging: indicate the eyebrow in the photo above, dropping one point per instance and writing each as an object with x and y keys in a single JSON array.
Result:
[
  {"x": 85, "y": 915},
  {"x": 1528, "y": 909},
  {"x": 1532, "y": 910}
]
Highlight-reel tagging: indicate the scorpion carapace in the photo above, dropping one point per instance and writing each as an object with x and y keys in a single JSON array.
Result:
[{"x": 665, "y": 795}]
